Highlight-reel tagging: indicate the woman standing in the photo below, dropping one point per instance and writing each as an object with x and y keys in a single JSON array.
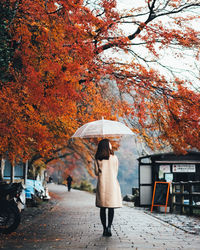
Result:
[{"x": 108, "y": 193}]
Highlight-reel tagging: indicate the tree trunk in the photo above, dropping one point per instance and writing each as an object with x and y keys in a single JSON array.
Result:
[
  {"x": 12, "y": 172},
  {"x": 25, "y": 172},
  {"x": 2, "y": 169}
]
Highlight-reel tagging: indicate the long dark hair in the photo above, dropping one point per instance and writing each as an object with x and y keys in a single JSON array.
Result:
[{"x": 103, "y": 150}]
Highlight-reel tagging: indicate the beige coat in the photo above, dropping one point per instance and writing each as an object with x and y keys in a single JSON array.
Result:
[{"x": 108, "y": 193}]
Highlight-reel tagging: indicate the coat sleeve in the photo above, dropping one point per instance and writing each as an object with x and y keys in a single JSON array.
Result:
[{"x": 96, "y": 169}]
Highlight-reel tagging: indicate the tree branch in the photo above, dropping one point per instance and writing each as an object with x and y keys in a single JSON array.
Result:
[{"x": 152, "y": 15}]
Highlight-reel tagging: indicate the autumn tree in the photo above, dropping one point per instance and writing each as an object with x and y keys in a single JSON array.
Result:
[
  {"x": 52, "y": 90},
  {"x": 74, "y": 61},
  {"x": 162, "y": 101}
]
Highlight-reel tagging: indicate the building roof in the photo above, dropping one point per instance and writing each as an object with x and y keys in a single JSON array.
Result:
[{"x": 189, "y": 158}]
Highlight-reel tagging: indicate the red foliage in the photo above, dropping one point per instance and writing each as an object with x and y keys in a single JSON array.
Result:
[{"x": 62, "y": 78}]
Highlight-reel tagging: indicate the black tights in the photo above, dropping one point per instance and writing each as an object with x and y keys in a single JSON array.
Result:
[{"x": 103, "y": 216}]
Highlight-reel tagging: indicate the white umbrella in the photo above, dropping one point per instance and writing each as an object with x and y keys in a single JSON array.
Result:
[{"x": 102, "y": 128}]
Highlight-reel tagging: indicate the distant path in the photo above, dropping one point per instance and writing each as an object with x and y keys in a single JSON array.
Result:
[{"x": 74, "y": 224}]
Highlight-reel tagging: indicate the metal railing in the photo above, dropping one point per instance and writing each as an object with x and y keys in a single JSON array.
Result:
[{"x": 186, "y": 197}]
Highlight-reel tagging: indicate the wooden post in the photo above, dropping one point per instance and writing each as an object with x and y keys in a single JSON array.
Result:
[
  {"x": 173, "y": 206},
  {"x": 182, "y": 197},
  {"x": 190, "y": 197}
]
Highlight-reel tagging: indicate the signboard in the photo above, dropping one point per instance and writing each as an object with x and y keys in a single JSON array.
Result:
[
  {"x": 160, "y": 194},
  {"x": 183, "y": 168}
]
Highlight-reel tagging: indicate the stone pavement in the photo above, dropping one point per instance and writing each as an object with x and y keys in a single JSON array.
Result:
[
  {"x": 189, "y": 224},
  {"x": 73, "y": 223}
]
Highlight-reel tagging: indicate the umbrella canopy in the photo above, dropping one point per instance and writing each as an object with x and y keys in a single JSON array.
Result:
[{"x": 102, "y": 128}]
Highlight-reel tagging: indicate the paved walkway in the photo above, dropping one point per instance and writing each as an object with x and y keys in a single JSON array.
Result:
[{"x": 74, "y": 224}]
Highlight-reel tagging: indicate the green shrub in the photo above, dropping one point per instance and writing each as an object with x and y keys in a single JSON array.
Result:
[{"x": 84, "y": 185}]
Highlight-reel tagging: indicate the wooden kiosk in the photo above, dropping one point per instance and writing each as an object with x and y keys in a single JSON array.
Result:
[{"x": 166, "y": 167}]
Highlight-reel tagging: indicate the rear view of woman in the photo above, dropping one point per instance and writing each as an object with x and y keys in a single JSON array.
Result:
[{"x": 108, "y": 193}]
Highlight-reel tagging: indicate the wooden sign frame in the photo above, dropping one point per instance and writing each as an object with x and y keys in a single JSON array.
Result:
[{"x": 156, "y": 185}]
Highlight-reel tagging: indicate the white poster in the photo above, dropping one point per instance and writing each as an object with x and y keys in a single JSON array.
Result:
[
  {"x": 165, "y": 168},
  {"x": 168, "y": 177}
]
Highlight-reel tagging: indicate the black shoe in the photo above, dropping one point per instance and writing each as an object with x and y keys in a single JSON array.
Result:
[
  {"x": 105, "y": 232},
  {"x": 109, "y": 231}
]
